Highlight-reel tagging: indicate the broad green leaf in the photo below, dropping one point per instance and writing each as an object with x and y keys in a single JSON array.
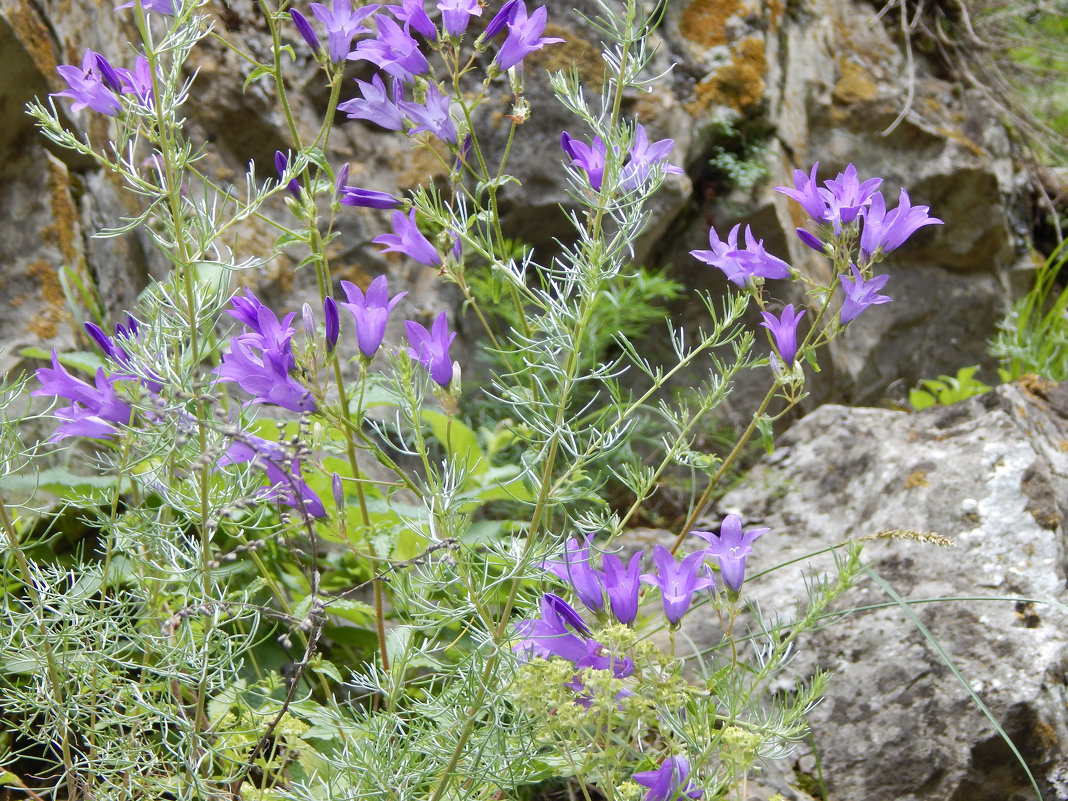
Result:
[
  {"x": 80, "y": 360},
  {"x": 459, "y": 440}
]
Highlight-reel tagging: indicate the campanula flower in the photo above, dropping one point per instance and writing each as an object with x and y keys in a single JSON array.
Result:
[
  {"x": 261, "y": 360},
  {"x": 884, "y": 230},
  {"x": 281, "y": 163},
  {"x": 376, "y": 105},
  {"x": 678, "y": 581},
  {"x": 806, "y": 191},
  {"x": 643, "y": 156},
  {"x": 406, "y": 238},
  {"x": 282, "y": 469},
  {"x": 456, "y": 14},
  {"x": 600, "y": 658},
  {"x": 431, "y": 348},
  {"x": 333, "y": 325},
  {"x": 370, "y": 312},
  {"x": 846, "y": 196},
  {"x": 95, "y": 411},
  {"x": 784, "y": 330},
  {"x": 431, "y": 116},
  {"x": 576, "y": 570},
  {"x": 265, "y": 376},
  {"x": 138, "y": 81},
  {"x": 368, "y": 198},
  {"x": 413, "y": 14},
  {"x": 811, "y": 240},
  {"x": 524, "y": 36},
  {"x": 669, "y": 781},
  {"x": 306, "y": 31},
  {"x": 393, "y": 51},
  {"x": 559, "y": 632},
  {"x": 622, "y": 585},
  {"x": 590, "y": 158},
  {"x": 500, "y": 20},
  {"x": 87, "y": 87},
  {"x": 860, "y": 294},
  {"x": 740, "y": 265},
  {"x": 731, "y": 547},
  {"x": 343, "y": 24}
]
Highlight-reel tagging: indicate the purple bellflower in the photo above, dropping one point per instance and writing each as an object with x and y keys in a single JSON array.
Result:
[
  {"x": 524, "y": 36},
  {"x": 393, "y": 51},
  {"x": 677, "y": 581},
  {"x": 576, "y": 570},
  {"x": 806, "y": 191},
  {"x": 332, "y": 323},
  {"x": 643, "y": 156},
  {"x": 590, "y": 158},
  {"x": 281, "y": 163},
  {"x": 264, "y": 374},
  {"x": 887, "y": 230},
  {"x": 559, "y": 632},
  {"x": 406, "y": 238},
  {"x": 376, "y": 105},
  {"x": 456, "y": 14},
  {"x": 846, "y": 196},
  {"x": 500, "y": 20},
  {"x": 784, "y": 330},
  {"x": 810, "y": 239},
  {"x": 731, "y": 547},
  {"x": 87, "y": 87},
  {"x": 368, "y": 198},
  {"x": 166, "y": 7},
  {"x": 600, "y": 658},
  {"x": 413, "y": 14},
  {"x": 860, "y": 294},
  {"x": 342, "y": 25},
  {"x": 433, "y": 116},
  {"x": 95, "y": 412},
  {"x": 740, "y": 265},
  {"x": 282, "y": 469},
  {"x": 431, "y": 348},
  {"x": 138, "y": 81},
  {"x": 669, "y": 781},
  {"x": 622, "y": 585},
  {"x": 306, "y": 31},
  {"x": 370, "y": 312}
]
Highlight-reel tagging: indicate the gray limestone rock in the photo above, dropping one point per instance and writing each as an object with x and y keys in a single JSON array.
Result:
[{"x": 991, "y": 474}]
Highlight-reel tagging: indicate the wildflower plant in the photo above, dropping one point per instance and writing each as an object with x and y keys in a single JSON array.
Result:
[{"x": 297, "y": 579}]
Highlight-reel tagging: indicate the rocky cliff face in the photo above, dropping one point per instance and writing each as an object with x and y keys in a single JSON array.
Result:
[
  {"x": 795, "y": 82},
  {"x": 989, "y": 474}
]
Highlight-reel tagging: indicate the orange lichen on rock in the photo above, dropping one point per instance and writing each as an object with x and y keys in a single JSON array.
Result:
[
  {"x": 705, "y": 21},
  {"x": 854, "y": 85},
  {"x": 34, "y": 36},
  {"x": 61, "y": 232},
  {"x": 575, "y": 52},
  {"x": 739, "y": 84}
]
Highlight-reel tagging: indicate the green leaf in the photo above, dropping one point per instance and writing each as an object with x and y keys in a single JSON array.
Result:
[
  {"x": 459, "y": 440},
  {"x": 260, "y": 72},
  {"x": 55, "y": 480},
  {"x": 918, "y": 399}
]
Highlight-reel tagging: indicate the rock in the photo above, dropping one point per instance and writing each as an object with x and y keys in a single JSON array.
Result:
[{"x": 991, "y": 474}]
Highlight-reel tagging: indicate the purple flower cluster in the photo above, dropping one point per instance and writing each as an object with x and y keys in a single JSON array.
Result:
[
  {"x": 741, "y": 264},
  {"x": 845, "y": 199},
  {"x": 677, "y": 580},
  {"x": 393, "y": 49},
  {"x": 637, "y": 165},
  {"x": 95, "y": 411},
  {"x": 97, "y": 85},
  {"x": 261, "y": 359},
  {"x": 282, "y": 469}
]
